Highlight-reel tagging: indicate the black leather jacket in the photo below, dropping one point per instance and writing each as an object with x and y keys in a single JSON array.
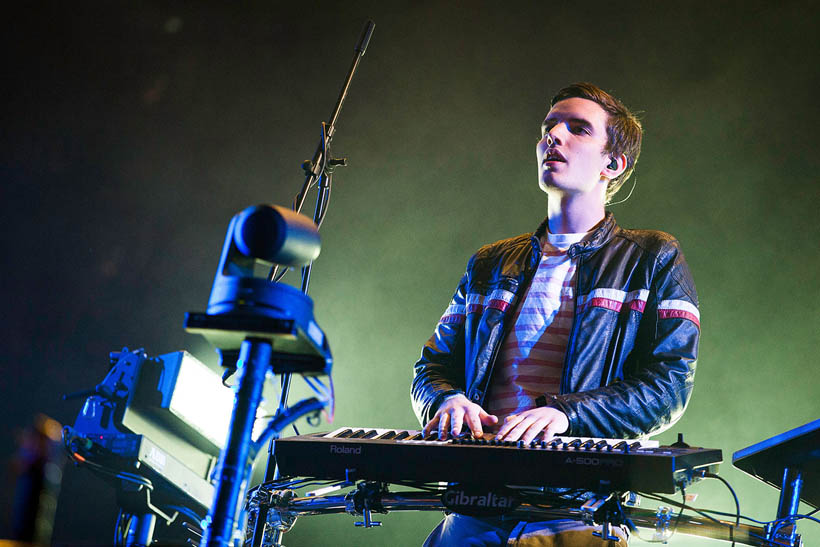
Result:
[{"x": 630, "y": 360}]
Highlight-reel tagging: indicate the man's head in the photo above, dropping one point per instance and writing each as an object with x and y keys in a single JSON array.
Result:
[{"x": 623, "y": 130}]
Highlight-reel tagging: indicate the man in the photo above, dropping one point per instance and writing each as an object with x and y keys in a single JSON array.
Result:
[{"x": 582, "y": 328}]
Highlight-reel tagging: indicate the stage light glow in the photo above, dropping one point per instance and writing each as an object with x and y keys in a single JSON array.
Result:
[{"x": 200, "y": 400}]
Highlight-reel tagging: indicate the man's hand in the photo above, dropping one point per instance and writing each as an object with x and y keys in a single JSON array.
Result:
[
  {"x": 456, "y": 411},
  {"x": 529, "y": 424}
]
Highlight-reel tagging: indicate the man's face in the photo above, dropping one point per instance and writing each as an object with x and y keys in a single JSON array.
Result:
[{"x": 571, "y": 150}]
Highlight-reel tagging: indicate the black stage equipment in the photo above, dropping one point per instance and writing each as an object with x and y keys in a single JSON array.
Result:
[
  {"x": 257, "y": 326},
  {"x": 392, "y": 455},
  {"x": 790, "y": 462},
  {"x": 155, "y": 426},
  {"x": 243, "y": 305}
]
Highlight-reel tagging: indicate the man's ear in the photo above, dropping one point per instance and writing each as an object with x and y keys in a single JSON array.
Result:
[{"x": 616, "y": 166}]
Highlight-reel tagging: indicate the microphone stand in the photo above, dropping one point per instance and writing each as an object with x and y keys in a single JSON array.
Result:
[{"x": 318, "y": 171}]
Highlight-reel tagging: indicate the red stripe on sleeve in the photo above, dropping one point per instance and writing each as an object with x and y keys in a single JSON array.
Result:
[{"x": 678, "y": 314}]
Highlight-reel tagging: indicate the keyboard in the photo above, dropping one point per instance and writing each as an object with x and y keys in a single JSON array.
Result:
[{"x": 395, "y": 455}]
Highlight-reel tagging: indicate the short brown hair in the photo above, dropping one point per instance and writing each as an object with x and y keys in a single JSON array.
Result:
[{"x": 623, "y": 129}]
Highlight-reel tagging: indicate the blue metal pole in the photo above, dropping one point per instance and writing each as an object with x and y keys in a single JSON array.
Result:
[{"x": 234, "y": 467}]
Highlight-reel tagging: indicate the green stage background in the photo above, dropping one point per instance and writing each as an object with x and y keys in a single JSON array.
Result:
[{"x": 133, "y": 133}]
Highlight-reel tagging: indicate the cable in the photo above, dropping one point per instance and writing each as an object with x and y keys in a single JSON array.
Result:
[
  {"x": 634, "y": 183},
  {"x": 737, "y": 503},
  {"x": 682, "y": 505},
  {"x": 118, "y": 532},
  {"x": 122, "y": 475},
  {"x": 725, "y": 514},
  {"x": 779, "y": 523},
  {"x": 703, "y": 513},
  {"x": 680, "y": 513},
  {"x": 184, "y": 511}
]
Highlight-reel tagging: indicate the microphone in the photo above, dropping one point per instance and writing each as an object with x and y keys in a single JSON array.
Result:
[{"x": 364, "y": 40}]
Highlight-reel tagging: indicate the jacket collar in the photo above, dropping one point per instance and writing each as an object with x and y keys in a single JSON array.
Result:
[{"x": 601, "y": 235}]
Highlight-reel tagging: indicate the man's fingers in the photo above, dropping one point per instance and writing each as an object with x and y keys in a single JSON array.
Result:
[
  {"x": 515, "y": 433},
  {"x": 454, "y": 414},
  {"x": 443, "y": 425},
  {"x": 509, "y": 422},
  {"x": 431, "y": 425},
  {"x": 535, "y": 429},
  {"x": 456, "y": 422},
  {"x": 553, "y": 428},
  {"x": 474, "y": 423},
  {"x": 487, "y": 419},
  {"x": 526, "y": 428}
]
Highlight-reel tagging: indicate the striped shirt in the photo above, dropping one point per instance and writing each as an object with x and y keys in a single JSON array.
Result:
[{"x": 532, "y": 356}]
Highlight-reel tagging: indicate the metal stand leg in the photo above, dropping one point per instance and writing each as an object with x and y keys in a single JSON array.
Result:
[
  {"x": 788, "y": 506},
  {"x": 254, "y": 360}
]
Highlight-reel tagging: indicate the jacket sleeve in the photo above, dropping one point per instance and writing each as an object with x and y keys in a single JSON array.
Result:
[
  {"x": 658, "y": 378},
  {"x": 440, "y": 370}
]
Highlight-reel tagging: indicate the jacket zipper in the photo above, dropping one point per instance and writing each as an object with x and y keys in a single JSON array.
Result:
[{"x": 571, "y": 341}]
